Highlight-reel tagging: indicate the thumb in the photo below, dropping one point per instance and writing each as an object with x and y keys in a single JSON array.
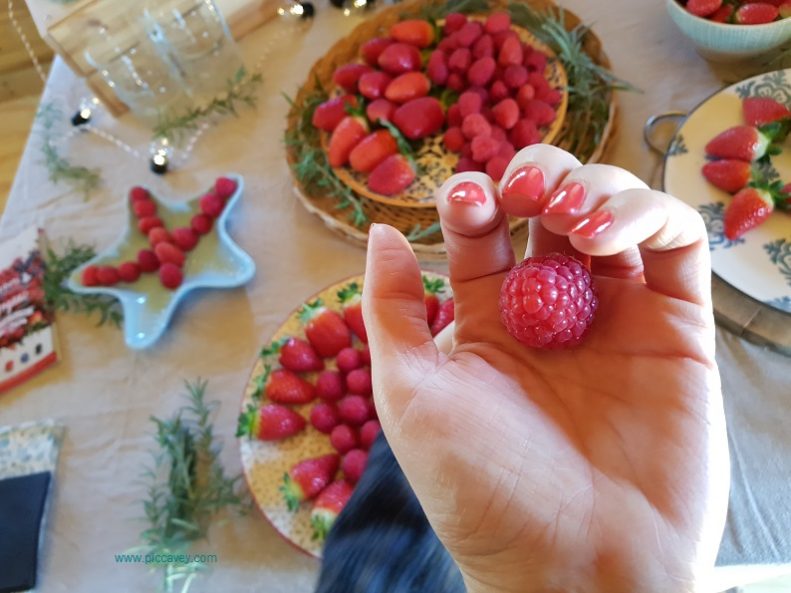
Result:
[{"x": 402, "y": 349}]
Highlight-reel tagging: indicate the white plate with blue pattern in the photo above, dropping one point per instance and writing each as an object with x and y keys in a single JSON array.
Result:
[{"x": 758, "y": 263}]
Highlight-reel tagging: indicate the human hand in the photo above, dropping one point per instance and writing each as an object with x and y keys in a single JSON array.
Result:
[{"x": 602, "y": 468}]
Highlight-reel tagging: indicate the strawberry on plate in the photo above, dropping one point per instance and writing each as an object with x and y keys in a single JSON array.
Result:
[
  {"x": 372, "y": 150},
  {"x": 350, "y": 297},
  {"x": 748, "y": 209},
  {"x": 431, "y": 286},
  {"x": 325, "y": 329},
  {"x": 308, "y": 478},
  {"x": 271, "y": 422},
  {"x": 445, "y": 315},
  {"x": 328, "y": 506},
  {"x": 728, "y": 174},
  {"x": 347, "y": 134},
  {"x": 414, "y": 31},
  {"x": 759, "y": 111},
  {"x": 296, "y": 355},
  {"x": 285, "y": 387},
  {"x": 392, "y": 176},
  {"x": 746, "y": 143},
  {"x": 329, "y": 114}
]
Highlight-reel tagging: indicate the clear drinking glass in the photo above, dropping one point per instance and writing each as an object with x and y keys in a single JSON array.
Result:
[{"x": 194, "y": 36}]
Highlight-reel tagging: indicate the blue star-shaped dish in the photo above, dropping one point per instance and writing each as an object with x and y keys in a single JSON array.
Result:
[{"x": 216, "y": 262}]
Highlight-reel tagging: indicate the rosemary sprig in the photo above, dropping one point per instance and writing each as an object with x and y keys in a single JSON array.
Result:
[
  {"x": 241, "y": 91},
  {"x": 437, "y": 11},
  {"x": 187, "y": 487},
  {"x": 59, "y": 169},
  {"x": 418, "y": 232},
  {"x": 310, "y": 165},
  {"x": 59, "y": 298},
  {"x": 590, "y": 85}
]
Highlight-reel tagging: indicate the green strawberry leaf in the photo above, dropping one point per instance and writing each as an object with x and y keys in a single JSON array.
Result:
[
  {"x": 348, "y": 292},
  {"x": 273, "y": 348},
  {"x": 433, "y": 286},
  {"x": 404, "y": 147},
  {"x": 245, "y": 425}
]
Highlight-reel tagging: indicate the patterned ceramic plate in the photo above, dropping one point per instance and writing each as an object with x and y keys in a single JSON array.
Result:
[
  {"x": 265, "y": 463},
  {"x": 758, "y": 263},
  {"x": 437, "y": 163}
]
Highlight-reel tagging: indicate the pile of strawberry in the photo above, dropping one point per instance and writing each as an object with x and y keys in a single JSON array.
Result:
[
  {"x": 740, "y": 12},
  {"x": 503, "y": 100},
  {"x": 168, "y": 249},
  {"x": 733, "y": 154},
  {"x": 328, "y": 375}
]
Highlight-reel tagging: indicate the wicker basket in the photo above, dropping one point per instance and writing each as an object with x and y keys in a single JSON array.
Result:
[{"x": 404, "y": 219}]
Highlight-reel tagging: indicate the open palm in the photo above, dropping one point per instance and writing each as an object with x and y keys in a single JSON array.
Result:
[{"x": 601, "y": 468}]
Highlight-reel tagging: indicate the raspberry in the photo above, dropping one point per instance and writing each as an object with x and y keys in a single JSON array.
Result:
[
  {"x": 90, "y": 276},
  {"x": 324, "y": 417},
  {"x": 211, "y": 204},
  {"x": 329, "y": 385},
  {"x": 498, "y": 91},
  {"x": 353, "y": 409},
  {"x": 506, "y": 113},
  {"x": 469, "y": 33},
  {"x": 368, "y": 433},
  {"x": 481, "y": 71},
  {"x": 348, "y": 359},
  {"x": 515, "y": 76},
  {"x": 499, "y": 134},
  {"x": 507, "y": 150},
  {"x": 158, "y": 235},
  {"x": 455, "y": 82},
  {"x": 498, "y": 21},
  {"x": 201, "y": 224},
  {"x": 459, "y": 60},
  {"x": 469, "y": 103},
  {"x": 467, "y": 164},
  {"x": 496, "y": 166},
  {"x": 148, "y": 223},
  {"x": 538, "y": 82},
  {"x": 454, "y": 22},
  {"x": 536, "y": 61},
  {"x": 454, "y": 139},
  {"x": 539, "y": 112},
  {"x": 365, "y": 355},
  {"x": 170, "y": 276},
  {"x": 147, "y": 260},
  {"x": 353, "y": 465},
  {"x": 138, "y": 193},
  {"x": 483, "y": 48},
  {"x": 511, "y": 52},
  {"x": 484, "y": 148},
  {"x": 548, "y": 301},
  {"x": 358, "y": 381},
  {"x": 167, "y": 253},
  {"x": 551, "y": 96},
  {"x": 437, "y": 68},
  {"x": 144, "y": 207},
  {"x": 524, "y": 133},
  {"x": 454, "y": 115},
  {"x": 343, "y": 438},
  {"x": 129, "y": 271},
  {"x": 224, "y": 187},
  {"x": 474, "y": 125},
  {"x": 185, "y": 238},
  {"x": 107, "y": 275},
  {"x": 525, "y": 94}
]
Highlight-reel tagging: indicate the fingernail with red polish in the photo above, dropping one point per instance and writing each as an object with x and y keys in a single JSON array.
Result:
[
  {"x": 594, "y": 224},
  {"x": 566, "y": 200},
  {"x": 468, "y": 193},
  {"x": 526, "y": 183}
]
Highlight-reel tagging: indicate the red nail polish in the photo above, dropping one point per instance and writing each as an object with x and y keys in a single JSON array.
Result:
[
  {"x": 566, "y": 200},
  {"x": 468, "y": 193},
  {"x": 594, "y": 224},
  {"x": 526, "y": 184}
]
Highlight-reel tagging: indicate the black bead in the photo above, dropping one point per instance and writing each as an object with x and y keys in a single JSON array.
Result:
[
  {"x": 159, "y": 169},
  {"x": 338, "y": 3},
  {"x": 77, "y": 119},
  {"x": 308, "y": 10}
]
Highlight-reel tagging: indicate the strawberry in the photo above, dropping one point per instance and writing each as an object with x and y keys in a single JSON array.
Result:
[
  {"x": 144, "y": 207},
  {"x": 328, "y": 506},
  {"x": 368, "y": 433},
  {"x": 727, "y": 174},
  {"x": 343, "y": 438},
  {"x": 107, "y": 275},
  {"x": 372, "y": 150},
  {"x": 373, "y": 48},
  {"x": 201, "y": 224},
  {"x": 329, "y": 386},
  {"x": 224, "y": 187},
  {"x": 170, "y": 254},
  {"x": 380, "y": 109},
  {"x": 723, "y": 15},
  {"x": 511, "y": 53},
  {"x": 271, "y": 422},
  {"x": 296, "y": 355},
  {"x": 358, "y": 381},
  {"x": 138, "y": 193},
  {"x": 129, "y": 272},
  {"x": 763, "y": 110},
  {"x": 90, "y": 276},
  {"x": 469, "y": 33},
  {"x": 330, "y": 113},
  {"x": 408, "y": 86},
  {"x": 373, "y": 84},
  {"x": 506, "y": 113},
  {"x": 325, "y": 329},
  {"x": 437, "y": 68},
  {"x": 144, "y": 225},
  {"x": 284, "y": 387},
  {"x": 353, "y": 409},
  {"x": 344, "y": 138},
  {"x": 748, "y": 209},
  {"x": 419, "y": 118},
  {"x": 498, "y": 21},
  {"x": 392, "y": 176},
  {"x": 785, "y": 10},
  {"x": 305, "y": 480},
  {"x": 445, "y": 315},
  {"x": 350, "y": 298},
  {"x": 211, "y": 204},
  {"x": 398, "y": 58},
  {"x": 454, "y": 22},
  {"x": 185, "y": 238},
  {"x": 324, "y": 417},
  {"x": 744, "y": 143},
  {"x": 703, "y": 8},
  {"x": 430, "y": 290},
  {"x": 415, "y": 31},
  {"x": 353, "y": 465},
  {"x": 159, "y": 235},
  {"x": 348, "y": 76},
  {"x": 170, "y": 275},
  {"x": 755, "y": 14},
  {"x": 147, "y": 260},
  {"x": 348, "y": 359}
]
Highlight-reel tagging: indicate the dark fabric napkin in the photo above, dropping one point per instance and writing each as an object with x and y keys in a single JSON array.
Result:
[
  {"x": 22, "y": 502},
  {"x": 382, "y": 541}
]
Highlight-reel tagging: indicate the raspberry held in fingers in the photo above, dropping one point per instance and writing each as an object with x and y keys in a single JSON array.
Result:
[{"x": 548, "y": 301}]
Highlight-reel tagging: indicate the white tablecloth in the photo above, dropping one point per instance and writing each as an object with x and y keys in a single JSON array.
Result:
[{"x": 105, "y": 393}]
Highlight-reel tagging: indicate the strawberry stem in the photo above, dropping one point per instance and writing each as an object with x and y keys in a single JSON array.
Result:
[
  {"x": 247, "y": 423},
  {"x": 310, "y": 310},
  {"x": 349, "y": 293}
]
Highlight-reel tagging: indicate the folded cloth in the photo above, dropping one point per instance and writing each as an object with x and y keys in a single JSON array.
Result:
[
  {"x": 382, "y": 542},
  {"x": 22, "y": 502}
]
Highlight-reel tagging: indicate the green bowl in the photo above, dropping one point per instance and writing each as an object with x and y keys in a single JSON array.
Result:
[{"x": 728, "y": 43}]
